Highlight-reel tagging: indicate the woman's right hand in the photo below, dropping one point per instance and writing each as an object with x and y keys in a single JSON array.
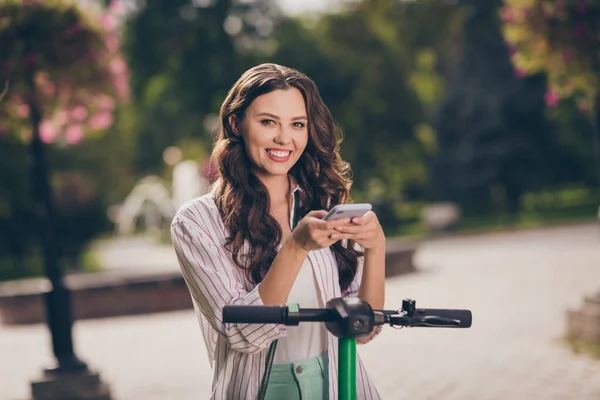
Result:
[{"x": 312, "y": 233}]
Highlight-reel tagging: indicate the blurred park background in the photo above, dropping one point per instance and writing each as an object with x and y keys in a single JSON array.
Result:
[
  {"x": 460, "y": 117},
  {"x": 432, "y": 108}
]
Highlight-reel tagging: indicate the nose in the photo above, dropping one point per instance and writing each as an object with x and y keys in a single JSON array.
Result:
[{"x": 284, "y": 136}]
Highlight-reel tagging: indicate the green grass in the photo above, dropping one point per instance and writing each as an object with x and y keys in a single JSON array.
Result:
[
  {"x": 90, "y": 263},
  {"x": 32, "y": 266},
  {"x": 581, "y": 346},
  {"x": 495, "y": 222},
  {"x": 529, "y": 219},
  {"x": 409, "y": 230}
]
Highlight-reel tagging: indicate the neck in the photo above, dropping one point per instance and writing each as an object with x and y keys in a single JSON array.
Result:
[{"x": 278, "y": 187}]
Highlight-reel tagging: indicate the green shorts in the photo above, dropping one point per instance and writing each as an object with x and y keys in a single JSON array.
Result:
[{"x": 304, "y": 379}]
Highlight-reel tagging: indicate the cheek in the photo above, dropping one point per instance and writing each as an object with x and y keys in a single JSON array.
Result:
[
  {"x": 252, "y": 152},
  {"x": 253, "y": 142}
]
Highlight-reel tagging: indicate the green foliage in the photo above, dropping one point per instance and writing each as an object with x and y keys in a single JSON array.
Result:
[
  {"x": 582, "y": 346},
  {"x": 64, "y": 77},
  {"x": 51, "y": 36},
  {"x": 495, "y": 142},
  {"x": 364, "y": 82},
  {"x": 31, "y": 266},
  {"x": 361, "y": 59},
  {"x": 575, "y": 132},
  {"x": 80, "y": 209},
  {"x": 58, "y": 58},
  {"x": 17, "y": 225},
  {"x": 559, "y": 38},
  {"x": 412, "y": 85},
  {"x": 381, "y": 84},
  {"x": 179, "y": 81}
]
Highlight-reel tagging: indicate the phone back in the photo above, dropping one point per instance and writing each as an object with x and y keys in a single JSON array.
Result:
[{"x": 348, "y": 211}]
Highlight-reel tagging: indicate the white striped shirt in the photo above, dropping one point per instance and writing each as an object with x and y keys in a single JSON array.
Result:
[{"x": 237, "y": 352}]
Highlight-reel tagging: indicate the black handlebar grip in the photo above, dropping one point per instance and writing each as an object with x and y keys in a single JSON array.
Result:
[
  {"x": 463, "y": 316},
  {"x": 255, "y": 314}
]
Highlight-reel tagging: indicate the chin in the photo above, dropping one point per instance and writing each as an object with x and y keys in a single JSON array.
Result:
[{"x": 278, "y": 171}]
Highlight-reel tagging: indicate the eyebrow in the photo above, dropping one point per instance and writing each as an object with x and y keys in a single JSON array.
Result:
[{"x": 265, "y": 114}]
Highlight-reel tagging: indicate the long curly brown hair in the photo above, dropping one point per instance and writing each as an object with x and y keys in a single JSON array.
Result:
[{"x": 243, "y": 200}]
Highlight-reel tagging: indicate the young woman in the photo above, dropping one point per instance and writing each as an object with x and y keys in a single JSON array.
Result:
[{"x": 278, "y": 163}]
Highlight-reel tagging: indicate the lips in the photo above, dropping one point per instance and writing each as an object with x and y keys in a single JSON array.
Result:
[{"x": 279, "y": 155}]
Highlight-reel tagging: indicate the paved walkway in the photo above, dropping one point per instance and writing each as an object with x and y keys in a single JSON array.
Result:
[
  {"x": 130, "y": 255},
  {"x": 518, "y": 286}
]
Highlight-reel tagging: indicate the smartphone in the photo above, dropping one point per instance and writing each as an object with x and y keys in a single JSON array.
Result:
[{"x": 347, "y": 211}]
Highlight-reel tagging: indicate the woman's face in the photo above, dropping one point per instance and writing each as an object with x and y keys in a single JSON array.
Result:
[{"x": 275, "y": 131}]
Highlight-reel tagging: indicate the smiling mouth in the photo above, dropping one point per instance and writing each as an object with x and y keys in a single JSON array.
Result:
[{"x": 279, "y": 153}]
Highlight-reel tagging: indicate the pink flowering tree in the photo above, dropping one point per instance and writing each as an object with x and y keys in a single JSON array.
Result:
[
  {"x": 61, "y": 68},
  {"x": 562, "y": 39},
  {"x": 61, "y": 76}
]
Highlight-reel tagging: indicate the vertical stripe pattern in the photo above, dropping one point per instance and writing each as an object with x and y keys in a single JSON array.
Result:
[{"x": 237, "y": 352}]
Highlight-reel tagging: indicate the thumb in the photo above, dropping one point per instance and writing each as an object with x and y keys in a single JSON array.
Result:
[{"x": 319, "y": 214}]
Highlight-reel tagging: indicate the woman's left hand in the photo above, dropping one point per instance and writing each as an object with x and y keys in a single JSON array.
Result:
[{"x": 365, "y": 230}]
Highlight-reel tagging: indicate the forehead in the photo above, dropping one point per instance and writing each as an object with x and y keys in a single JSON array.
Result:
[{"x": 288, "y": 103}]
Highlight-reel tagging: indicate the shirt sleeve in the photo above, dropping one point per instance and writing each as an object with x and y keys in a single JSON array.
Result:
[{"x": 209, "y": 276}]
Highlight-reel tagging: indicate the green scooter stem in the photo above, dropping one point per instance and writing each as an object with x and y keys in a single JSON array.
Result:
[{"x": 347, "y": 369}]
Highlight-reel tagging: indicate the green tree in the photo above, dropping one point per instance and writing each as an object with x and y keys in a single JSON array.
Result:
[
  {"x": 361, "y": 77},
  {"x": 64, "y": 75},
  {"x": 179, "y": 81},
  {"x": 495, "y": 142},
  {"x": 560, "y": 39},
  {"x": 378, "y": 66},
  {"x": 17, "y": 227},
  {"x": 360, "y": 72}
]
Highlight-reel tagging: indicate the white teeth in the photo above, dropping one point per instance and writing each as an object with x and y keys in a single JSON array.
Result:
[{"x": 279, "y": 153}]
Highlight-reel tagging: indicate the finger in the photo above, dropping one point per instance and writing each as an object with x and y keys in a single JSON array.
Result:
[
  {"x": 348, "y": 236},
  {"x": 330, "y": 225},
  {"x": 317, "y": 214},
  {"x": 358, "y": 220},
  {"x": 350, "y": 228},
  {"x": 337, "y": 222},
  {"x": 365, "y": 219},
  {"x": 326, "y": 236},
  {"x": 329, "y": 240}
]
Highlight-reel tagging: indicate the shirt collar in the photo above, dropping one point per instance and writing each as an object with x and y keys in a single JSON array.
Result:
[{"x": 294, "y": 187}]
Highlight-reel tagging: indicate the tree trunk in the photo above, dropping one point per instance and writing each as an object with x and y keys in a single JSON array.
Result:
[{"x": 58, "y": 304}]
